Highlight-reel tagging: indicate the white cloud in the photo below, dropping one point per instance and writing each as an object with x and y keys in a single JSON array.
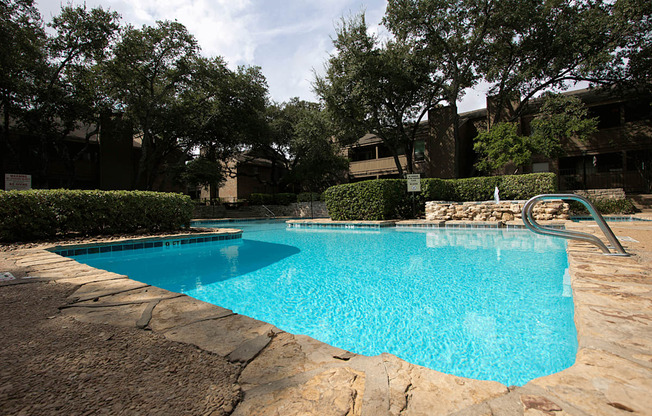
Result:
[{"x": 286, "y": 38}]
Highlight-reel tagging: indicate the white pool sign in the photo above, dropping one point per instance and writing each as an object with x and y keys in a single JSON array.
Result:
[
  {"x": 413, "y": 182},
  {"x": 16, "y": 181}
]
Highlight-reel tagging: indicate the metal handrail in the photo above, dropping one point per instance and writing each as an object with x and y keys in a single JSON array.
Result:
[
  {"x": 270, "y": 211},
  {"x": 533, "y": 226}
]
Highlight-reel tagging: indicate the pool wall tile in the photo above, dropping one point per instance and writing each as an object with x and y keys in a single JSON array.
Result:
[{"x": 131, "y": 245}]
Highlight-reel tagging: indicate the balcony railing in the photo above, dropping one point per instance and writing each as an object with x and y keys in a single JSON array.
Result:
[{"x": 383, "y": 166}]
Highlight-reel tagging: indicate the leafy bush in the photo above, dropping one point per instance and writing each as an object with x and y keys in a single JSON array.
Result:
[
  {"x": 604, "y": 206},
  {"x": 36, "y": 214},
  {"x": 475, "y": 189},
  {"x": 372, "y": 200},
  {"x": 285, "y": 199},
  {"x": 388, "y": 198},
  {"x": 261, "y": 199},
  {"x": 275, "y": 199},
  {"x": 527, "y": 186},
  {"x": 306, "y": 197}
]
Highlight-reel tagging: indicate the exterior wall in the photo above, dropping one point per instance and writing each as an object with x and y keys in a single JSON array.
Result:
[
  {"x": 625, "y": 134},
  {"x": 116, "y": 154},
  {"x": 491, "y": 211},
  {"x": 254, "y": 176},
  {"x": 441, "y": 146}
]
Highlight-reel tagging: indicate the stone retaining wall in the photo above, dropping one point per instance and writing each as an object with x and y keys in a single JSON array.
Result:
[
  {"x": 615, "y": 193},
  {"x": 297, "y": 209},
  {"x": 490, "y": 211}
]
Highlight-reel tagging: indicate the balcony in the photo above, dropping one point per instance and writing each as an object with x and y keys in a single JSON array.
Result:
[{"x": 374, "y": 167}]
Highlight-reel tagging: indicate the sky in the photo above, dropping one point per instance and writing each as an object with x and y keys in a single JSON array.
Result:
[{"x": 288, "y": 39}]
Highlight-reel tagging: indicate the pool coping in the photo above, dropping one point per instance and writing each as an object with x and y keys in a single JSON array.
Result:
[{"x": 612, "y": 373}]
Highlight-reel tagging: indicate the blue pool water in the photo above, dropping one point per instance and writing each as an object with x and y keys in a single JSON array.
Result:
[{"x": 485, "y": 304}]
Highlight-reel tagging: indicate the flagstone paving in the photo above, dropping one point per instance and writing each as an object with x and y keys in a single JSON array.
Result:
[{"x": 285, "y": 374}]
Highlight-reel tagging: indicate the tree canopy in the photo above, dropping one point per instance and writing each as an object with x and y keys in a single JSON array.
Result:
[
  {"x": 383, "y": 88},
  {"x": 560, "y": 117}
]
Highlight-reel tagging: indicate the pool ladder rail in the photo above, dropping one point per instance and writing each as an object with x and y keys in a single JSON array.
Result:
[
  {"x": 533, "y": 226},
  {"x": 270, "y": 212}
]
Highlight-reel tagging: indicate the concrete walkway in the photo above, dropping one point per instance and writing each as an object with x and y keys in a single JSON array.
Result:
[{"x": 286, "y": 374}]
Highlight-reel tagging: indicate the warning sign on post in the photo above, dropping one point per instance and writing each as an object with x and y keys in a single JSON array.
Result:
[
  {"x": 16, "y": 181},
  {"x": 414, "y": 182}
]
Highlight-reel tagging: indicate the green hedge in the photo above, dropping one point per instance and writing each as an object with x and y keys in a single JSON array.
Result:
[
  {"x": 388, "y": 198},
  {"x": 604, "y": 206},
  {"x": 306, "y": 197},
  {"x": 38, "y": 214},
  {"x": 368, "y": 200}
]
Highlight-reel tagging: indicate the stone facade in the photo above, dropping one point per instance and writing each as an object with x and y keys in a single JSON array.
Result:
[{"x": 491, "y": 211}]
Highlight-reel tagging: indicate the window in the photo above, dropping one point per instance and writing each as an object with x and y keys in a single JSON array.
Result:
[
  {"x": 363, "y": 153},
  {"x": 637, "y": 110},
  {"x": 540, "y": 167},
  {"x": 608, "y": 115},
  {"x": 419, "y": 150}
]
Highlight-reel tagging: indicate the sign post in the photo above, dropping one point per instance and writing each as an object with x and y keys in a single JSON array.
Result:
[
  {"x": 413, "y": 186},
  {"x": 16, "y": 181}
]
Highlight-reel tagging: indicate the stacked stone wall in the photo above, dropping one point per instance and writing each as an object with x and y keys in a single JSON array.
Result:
[
  {"x": 491, "y": 211},
  {"x": 615, "y": 193}
]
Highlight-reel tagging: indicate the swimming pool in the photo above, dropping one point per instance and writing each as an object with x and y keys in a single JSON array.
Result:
[{"x": 485, "y": 304}]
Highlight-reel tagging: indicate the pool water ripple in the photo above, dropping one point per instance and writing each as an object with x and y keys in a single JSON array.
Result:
[{"x": 485, "y": 304}]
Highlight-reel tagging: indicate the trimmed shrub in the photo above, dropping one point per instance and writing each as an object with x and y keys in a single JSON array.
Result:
[
  {"x": 38, "y": 214},
  {"x": 475, "y": 189},
  {"x": 604, "y": 206},
  {"x": 527, "y": 186},
  {"x": 388, "y": 198},
  {"x": 372, "y": 200},
  {"x": 305, "y": 197},
  {"x": 435, "y": 189},
  {"x": 261, "y": 199},
  {"x": 285, "y": 198}
]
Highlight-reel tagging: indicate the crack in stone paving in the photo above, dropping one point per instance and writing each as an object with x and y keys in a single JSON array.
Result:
[
  {"x": 111, "y": 305},
  {"x": 87, "y": 298},
  {"x": 210, "y": 318}
]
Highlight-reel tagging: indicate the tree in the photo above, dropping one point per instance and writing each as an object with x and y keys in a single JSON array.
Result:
[
  {"x": 224, "y": 110},
  {"x": 560, "y": 118},
  {"x": 632, "y": 67},
  {"x": 453, "y": 35},
  {"x": 68, "y": 92},
  {"x": 551, "y": 46},
  {"x": 202, "y": 172},
  {"x": 315, "y": 162},
  {"x": 384, "y": 89},
  {"x": 150, "y": 68},
  {"x": 22, "y": 38},
  {"x": 500, "y": 146},
  {"x": 300, "y": 140}
]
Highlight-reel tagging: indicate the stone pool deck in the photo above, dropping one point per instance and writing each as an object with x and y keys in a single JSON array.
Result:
[{"x": 286, "y": 374}]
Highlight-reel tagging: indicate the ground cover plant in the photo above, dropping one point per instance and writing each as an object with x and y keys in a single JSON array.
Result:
[{"x": 37, "y": 214}]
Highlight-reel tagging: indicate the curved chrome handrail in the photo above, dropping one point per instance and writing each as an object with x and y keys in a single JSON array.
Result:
[{"x": 533, "y": 226}]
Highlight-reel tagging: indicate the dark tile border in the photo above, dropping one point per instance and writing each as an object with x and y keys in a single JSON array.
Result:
[
  {"x": 339, "y": 226},
  {"x": 612, "y": 218},
  {"x": 93, "y": 248}
]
